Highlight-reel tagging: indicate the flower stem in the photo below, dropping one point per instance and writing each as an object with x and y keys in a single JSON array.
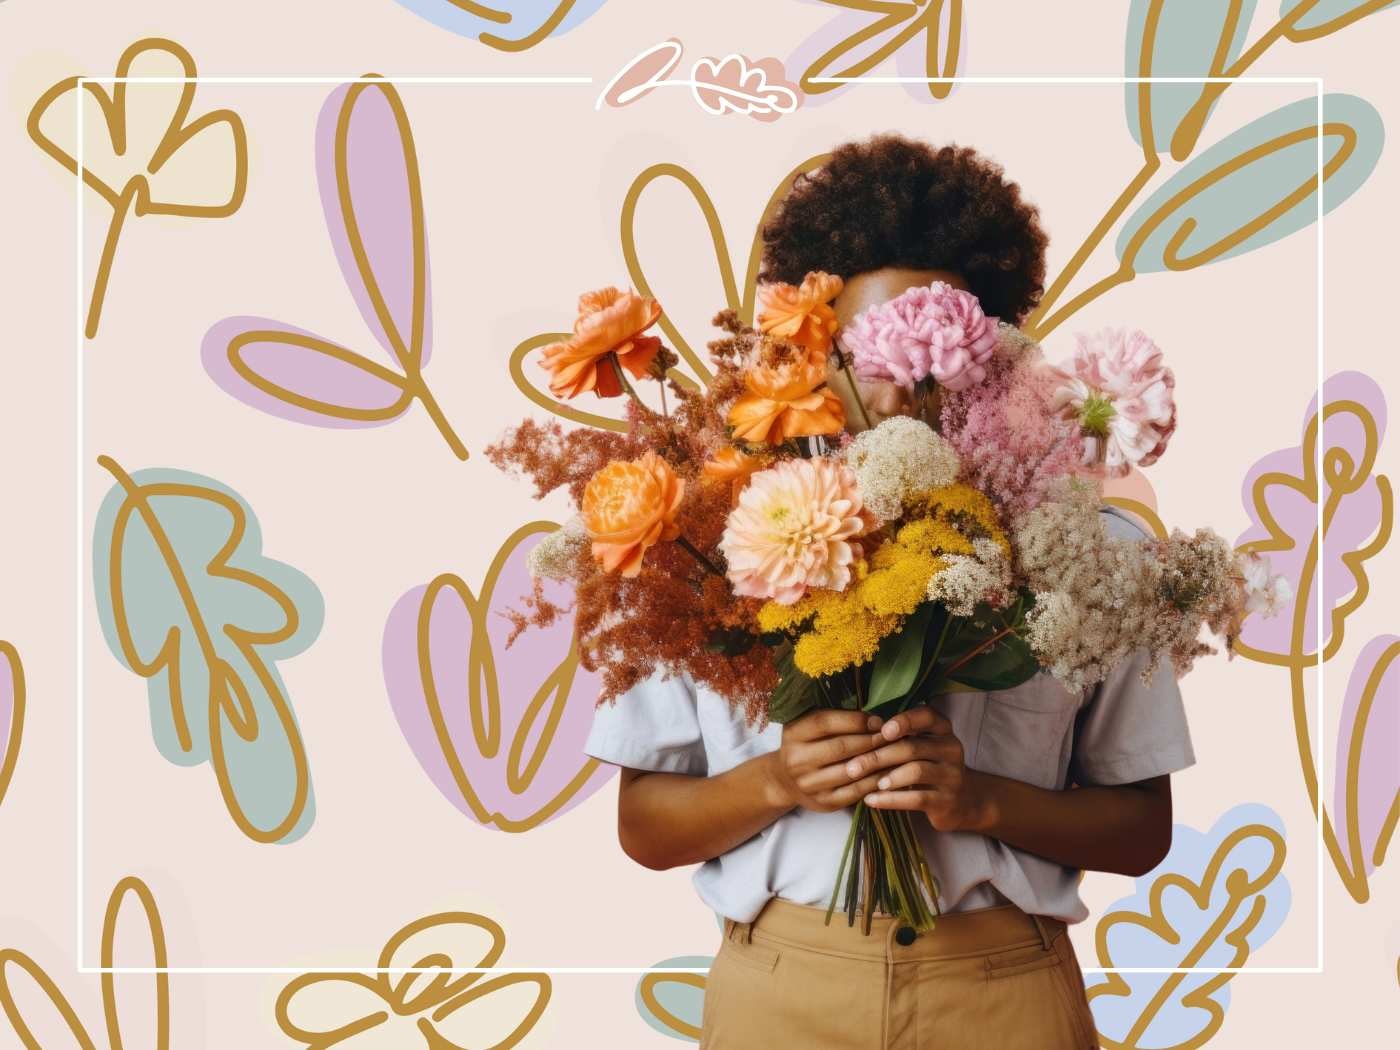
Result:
[
  {"x": 695, "y": 553},
  {"x": 622, "y": 378},
  {"x": 978, "y": 651},
  {"x": 855, "y": 390}
]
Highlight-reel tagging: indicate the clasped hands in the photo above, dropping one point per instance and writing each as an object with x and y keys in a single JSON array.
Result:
[{"x": 831, "y": 759}]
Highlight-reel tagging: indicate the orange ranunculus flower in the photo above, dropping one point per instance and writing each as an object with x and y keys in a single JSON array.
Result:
[
  {"x": 800, "y": 313},
  {"x": 785, "y": 401},
  {"x": 734, "y": 466},
  {"x": 610, "y": 321},
  {"x": 628, "y": 506}
]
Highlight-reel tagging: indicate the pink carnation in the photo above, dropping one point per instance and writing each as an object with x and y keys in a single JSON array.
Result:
[
  {"x": 938, "y": 332},
  {"x": 1121, "y": 394},
  {"x": 793, "y": 530}
]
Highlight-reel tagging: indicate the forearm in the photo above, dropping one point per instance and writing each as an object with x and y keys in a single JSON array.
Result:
[
  {"x": 668, "y": 819},
  {"x": 1124, "y": 829}
]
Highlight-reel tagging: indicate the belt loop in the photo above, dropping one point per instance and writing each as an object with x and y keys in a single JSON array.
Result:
[
  {"x": 738, "y": 932},
  {"x": 1042, "y": 928},
  {"x": 744, "y": 931}
]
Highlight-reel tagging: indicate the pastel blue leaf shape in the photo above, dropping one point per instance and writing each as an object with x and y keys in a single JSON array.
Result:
[
  {"x": 1255, "y": 186},
  {"x": 672, "y": 1003},
  {"x": 1326, "y": 16},
  {"x": 188, "y": 601},
  {"x": 507, "y": 25},
  {"x": 1215, "y": 899},
  {"x": 1167, "y": 39}
]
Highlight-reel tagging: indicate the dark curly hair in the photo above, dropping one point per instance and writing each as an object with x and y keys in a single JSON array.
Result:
[{"x": 894, "y": 201}]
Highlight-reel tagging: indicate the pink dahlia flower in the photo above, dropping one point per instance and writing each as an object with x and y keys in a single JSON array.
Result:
[
  {"x": 1121, "y": 394},
  {"x": 792, "y": 530},
  {"x": 937, "y": 332}
]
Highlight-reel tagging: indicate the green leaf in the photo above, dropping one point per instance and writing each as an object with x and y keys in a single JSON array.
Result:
[
  {"x": 795, "y": 695},
  {"x": 898, "y": 659},
  {"x": 1004, "y": 666}
]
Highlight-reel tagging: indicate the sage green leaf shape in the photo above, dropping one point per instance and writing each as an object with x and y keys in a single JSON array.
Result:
[
  {"x": 188, "y": 601},
  {"x": 672, "y": 1003},
  {"x": 1166, "y": 39},
  {"x": 1254, "y": 187},
  {"x": 1321, "y": 17}
]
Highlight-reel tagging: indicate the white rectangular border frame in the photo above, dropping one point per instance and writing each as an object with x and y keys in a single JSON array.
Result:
[{"x": 81, "y": 530}]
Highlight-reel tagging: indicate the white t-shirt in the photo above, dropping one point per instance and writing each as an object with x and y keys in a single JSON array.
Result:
[{"x": 1118, "y": 732}]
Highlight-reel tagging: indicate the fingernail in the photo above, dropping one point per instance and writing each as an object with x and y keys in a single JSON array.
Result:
[
  {"x": 852, "y": 769},
  {"x": 890, "y": 730},
  {"x": 875, "y": 722},
  {"x": 884, "y": 783}
]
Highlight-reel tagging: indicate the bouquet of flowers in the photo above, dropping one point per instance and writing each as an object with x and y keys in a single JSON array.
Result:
[{"x": 750, "y": 535}]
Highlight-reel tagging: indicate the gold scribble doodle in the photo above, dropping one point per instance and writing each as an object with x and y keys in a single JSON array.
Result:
[
  {"x": 436, "y": 1008},
  {"x": 1231, "y": 924},
  {"x": 1182, "y": 142},
  {"x": 737, "y": 296},
  {"x": 11, "y": 714},
  {"x": 524, "y": 43},
  {"x": 157, "y": 161},
  {"x": 897, "y": 23},
  {"x": 528, "y": 736},
  {"x": 200, "y": 638},
  {"x": 1345, "y": 475},
  {"x": 58, "y": 1026}
]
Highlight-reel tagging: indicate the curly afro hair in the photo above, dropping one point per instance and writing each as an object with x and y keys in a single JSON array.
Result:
[{"x": 894, "y": 201}]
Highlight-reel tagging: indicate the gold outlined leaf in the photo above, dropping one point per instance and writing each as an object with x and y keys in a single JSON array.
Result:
[{"x": 64, "y": 1017}]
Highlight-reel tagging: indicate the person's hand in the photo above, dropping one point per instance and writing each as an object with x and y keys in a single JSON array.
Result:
[
  {"x": 918, "y": 765},
  {"x": 809, "y": 767}
]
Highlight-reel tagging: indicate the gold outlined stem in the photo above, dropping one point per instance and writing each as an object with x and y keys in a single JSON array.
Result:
[
  {"x": 123, "y": 207},
  {"x": 1034, "y": 327},
  {"x": 420, "y": 389},
  {"x": 855, "y": 390},
  {"x": 978, "y": 651}
]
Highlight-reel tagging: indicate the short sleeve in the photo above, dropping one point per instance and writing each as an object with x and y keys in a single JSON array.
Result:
[
  {"x": 1129, "y": 730},
  {"x": 652, "y": 726}
]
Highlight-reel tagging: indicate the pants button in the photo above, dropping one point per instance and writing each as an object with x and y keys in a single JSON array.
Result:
[{"x": 905, "y": 935}]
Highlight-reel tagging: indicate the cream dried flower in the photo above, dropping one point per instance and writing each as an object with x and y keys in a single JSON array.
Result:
[
  {"x": 562, "y": 554},
  {"x": 967, "y": 581},
  {"x": 897, "y": 460}
]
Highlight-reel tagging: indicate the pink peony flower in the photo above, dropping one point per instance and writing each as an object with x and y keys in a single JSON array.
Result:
[
  {"x": 1120, "y": 393},
  {"x": 792, "y": 530},
  {"x": 938, "y": 332}
]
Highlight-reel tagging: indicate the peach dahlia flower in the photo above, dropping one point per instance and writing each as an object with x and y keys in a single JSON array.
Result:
[
  {"x": 800, "y": 312},
  {"x": 627, "y": 507},
  {"x": 610, "y": 321},
  {"x": 786, "y": 400},
  {"x": 793, "y": 530}
]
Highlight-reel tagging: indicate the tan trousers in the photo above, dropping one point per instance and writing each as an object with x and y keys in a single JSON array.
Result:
[{"x": 995, "y": 978}]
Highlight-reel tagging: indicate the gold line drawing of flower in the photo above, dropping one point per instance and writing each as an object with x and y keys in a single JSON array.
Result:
[
  {"x": 440, "y": 1003},
  {"x": 156, "y": 161},
  {"x": 738, "y": 297},
  {"x": 39, "y": 1030}
]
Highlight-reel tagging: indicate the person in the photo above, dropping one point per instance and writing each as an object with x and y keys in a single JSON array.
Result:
[{"x": 1019, "y": 791}]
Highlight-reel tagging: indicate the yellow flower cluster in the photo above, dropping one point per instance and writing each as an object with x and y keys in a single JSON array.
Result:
[{"x": 840, "y": 629}]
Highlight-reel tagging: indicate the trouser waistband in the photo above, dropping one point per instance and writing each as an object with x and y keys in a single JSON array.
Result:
[{"x": 956, "y": 935}]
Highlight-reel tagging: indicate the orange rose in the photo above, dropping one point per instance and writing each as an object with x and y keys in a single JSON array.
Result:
[
  {"x": 785, "y": 401},
  {"x": 801, "y": 314},
  {"x": 734, "y": 466},
  {"x": 610, "y": 321},
  {"x": 629, "y": 506}
]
